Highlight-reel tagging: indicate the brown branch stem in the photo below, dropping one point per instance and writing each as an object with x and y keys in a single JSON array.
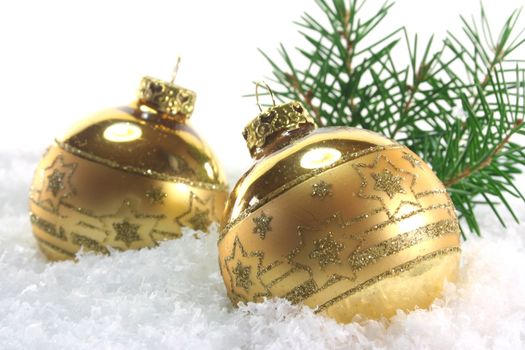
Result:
[{"x": 485, "y": 163}]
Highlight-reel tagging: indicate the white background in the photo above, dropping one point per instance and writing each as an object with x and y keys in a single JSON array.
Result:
[{"x": 63, "y": 60}]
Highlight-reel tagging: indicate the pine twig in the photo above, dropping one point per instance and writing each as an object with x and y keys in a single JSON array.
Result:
[
  {"x": 358, "y": 83},
  {"x": 485, "y": 163}
]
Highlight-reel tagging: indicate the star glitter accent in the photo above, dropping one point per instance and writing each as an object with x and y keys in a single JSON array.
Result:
[
  {"x": 327, "y": 250},
  {"x": 126, "y": 232},
  {"x": 200, "y": 213},
  {"x": 416, "y": 163},
  {"x": 200, "y": 221},
  {"x": 242, "y": 276},
  {"x": 56, "y": 185},
  {"x": 55, "y": 182},
  {"x": 262, "y": 225},
  {"x": 235, "y": 268},
  {"x": 156, "y": 196},
  {"x": 394, "y": 184},
  {"x": 321, "y": 190},
  {"x": 125, "y": 226},
  {"x": 388, "y": 183}
]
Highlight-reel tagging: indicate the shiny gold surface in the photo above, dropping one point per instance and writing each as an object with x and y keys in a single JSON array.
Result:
[
  {"x": 286, "y": 167},
  {"x": 95, "y": 207},
  {"x": 167, "y": 98},
  {"x": 342, "y": 220},
  {"x": 140, "y": 141},
  {"x": 125, "y": 178}
]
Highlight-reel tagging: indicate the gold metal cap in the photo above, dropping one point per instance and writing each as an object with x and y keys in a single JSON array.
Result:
[
  {"x": 167, "y": 98},
  {"x": 274, "y": 121}
]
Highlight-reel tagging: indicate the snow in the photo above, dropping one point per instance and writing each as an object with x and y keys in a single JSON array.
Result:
[{"x": 173, "y": 297}]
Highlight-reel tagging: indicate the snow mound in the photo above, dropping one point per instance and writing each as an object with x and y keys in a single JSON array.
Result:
[{"x": 173, "y": 297}]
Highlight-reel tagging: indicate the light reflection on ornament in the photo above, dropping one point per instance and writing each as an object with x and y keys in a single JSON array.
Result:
[
  {"x": 146, "y": 109},
  {"x": 181, "y": 188},
  {"x": 253, "y": 201},
  {"x": 320, "y": 157},
  {"x": 209, "y": 170},
  {"x": 122, "y": 132}
]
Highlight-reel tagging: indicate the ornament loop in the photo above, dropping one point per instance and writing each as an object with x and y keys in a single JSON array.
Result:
[
  {"x": 175, "y": 70},
  {"x": 257, "y": 84}
]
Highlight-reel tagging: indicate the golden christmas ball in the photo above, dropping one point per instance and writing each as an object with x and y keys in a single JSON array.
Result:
[
  {"x": 340, "y": 219},
  {"x": 127, "y": 178}
]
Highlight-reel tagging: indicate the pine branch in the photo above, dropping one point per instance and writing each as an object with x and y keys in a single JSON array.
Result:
[
  {"x": 460, "y": 106},
  {"x": 485, "y": 163}
]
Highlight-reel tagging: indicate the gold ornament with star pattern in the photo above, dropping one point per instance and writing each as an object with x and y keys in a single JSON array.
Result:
[
  {"x": 127, "y": 178},
  {"x": 343, "y": 220}
]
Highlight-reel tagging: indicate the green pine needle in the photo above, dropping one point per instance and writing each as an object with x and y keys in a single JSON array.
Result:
[{"x": 459, "y": 104}]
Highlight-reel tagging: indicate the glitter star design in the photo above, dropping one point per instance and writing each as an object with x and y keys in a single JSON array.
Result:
[
  {"x": 200, "y": 213},
  {"x": 388, "y": 183},
  {"x": 321, "y": 190},
  {"x": 156, "y": 196},
  {"x": 126, "y": 232},
  {"x": 238, "y": 267},
  {"x": 125, "y": 227},
  {"x": 319, "y": 253},
  {"x": 326, "y": 251},
  {"x": 262, "y": 225},
  {"x": 56, "y": 185},
  {"x": 55, "y": 182},
  {"x": 242, "y": 276},
  {"x": 201, "y": 220},
  {"x": 416, "y": 163}
]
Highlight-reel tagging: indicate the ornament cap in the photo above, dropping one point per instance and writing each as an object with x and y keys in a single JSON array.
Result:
[
  {"x": 276, "y": 121},
  {"x": 165, "y": 97}
]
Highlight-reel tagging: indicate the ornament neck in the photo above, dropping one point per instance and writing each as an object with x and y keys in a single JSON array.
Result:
[
  {"x": 277, "y": 127},
  {"x": 169, "y": 101}
]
